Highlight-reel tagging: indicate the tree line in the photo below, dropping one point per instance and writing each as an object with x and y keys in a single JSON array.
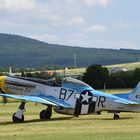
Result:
[{"x": 98, "y": 77}]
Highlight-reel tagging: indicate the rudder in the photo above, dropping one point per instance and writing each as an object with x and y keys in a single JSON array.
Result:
[{"x": 135, "y": 94}]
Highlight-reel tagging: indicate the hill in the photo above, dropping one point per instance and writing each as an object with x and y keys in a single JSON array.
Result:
[
  {"x": 25, "y": 52},
  {"x": 130, "y": 66}
]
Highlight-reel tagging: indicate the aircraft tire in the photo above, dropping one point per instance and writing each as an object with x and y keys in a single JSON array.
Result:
[
  {"x": 17, "y": 120},
  {"x": 98, "y": 113},
  {"x": 45, "y": 115},
  {"x": 116, "y": 117}
]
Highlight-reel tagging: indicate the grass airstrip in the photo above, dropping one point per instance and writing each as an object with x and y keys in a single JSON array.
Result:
[
  {"x": 63, "y": 127},
  {"x": 80, "y": 71}
]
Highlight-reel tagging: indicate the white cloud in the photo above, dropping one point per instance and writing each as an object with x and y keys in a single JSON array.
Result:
[
  {"x": 90, "y": 3},
  {"x": 76, "y": 21},
  {"x": 93, "y": 3},
  {"x": 54, "y": 18},
  {"x": 78, "y": 39},
  {"x": 70, "y": 1},
  {"x": 13, "y": 24},
  {"x": 96, "y": 28},
  {"x": 104, "y": 3},
  {"x": 127, "y": 24},
  {"x": 49, "y": 38},
  {"x": 17, "y": 5},
  {"x": 116, "y": 44}
]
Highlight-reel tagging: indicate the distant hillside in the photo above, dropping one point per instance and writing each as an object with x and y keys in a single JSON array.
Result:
[
  {"x": 130, "y": 66},
  {"x": 80, "y": 71},
  {"x": 25, "y": 52}
]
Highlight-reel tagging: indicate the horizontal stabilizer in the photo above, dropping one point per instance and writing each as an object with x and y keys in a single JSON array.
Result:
[{"x": 127, "y": 102}]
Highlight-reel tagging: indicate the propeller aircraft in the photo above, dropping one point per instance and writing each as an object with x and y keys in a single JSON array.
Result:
[{"x": 66, "y": 96}]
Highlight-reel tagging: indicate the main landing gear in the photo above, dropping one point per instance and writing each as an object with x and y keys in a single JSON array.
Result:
[
  {"x": 46, "y": 114},
  {"x": 18, "y": 117},
  {"x": 116, "y": 116}
]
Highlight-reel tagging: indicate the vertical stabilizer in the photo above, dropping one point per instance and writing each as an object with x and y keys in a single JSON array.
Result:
[{"x": 135, "y": 94}]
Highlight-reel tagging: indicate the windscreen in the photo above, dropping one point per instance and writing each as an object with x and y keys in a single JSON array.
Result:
[{"x": 69, "y": 80}]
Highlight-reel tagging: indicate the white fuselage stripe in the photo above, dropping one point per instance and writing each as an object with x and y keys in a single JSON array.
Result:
[{"x": 84, "y": 109}]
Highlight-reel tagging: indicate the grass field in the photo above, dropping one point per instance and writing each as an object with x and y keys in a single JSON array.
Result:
[
  {"x": 77, "y": 71},
  {"x": 62, "y": 127},
  {"x": 130, "y": 66},
  {"x": 80, "y": 71}
]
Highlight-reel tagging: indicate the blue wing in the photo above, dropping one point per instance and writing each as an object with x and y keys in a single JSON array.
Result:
[{"x": 48, "y": 100}]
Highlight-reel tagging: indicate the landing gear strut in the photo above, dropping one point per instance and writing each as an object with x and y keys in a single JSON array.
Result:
[
  {"x": 46, "y": 114},
  {"x": 18, "y": 117},
  {"x": 116, "y": 116}
]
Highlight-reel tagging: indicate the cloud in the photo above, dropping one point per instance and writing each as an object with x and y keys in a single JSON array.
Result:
[
  {"x": 51, "y": 17},
  {"x": 116, "y": 44},
  {"x": 89, "y": 3},
  {"x": 54, "y": 19},
  {"x": 77, "y": 39},
  {"x": 127, "y": 24},
  {"x": 103, "y": 3},
  {"x": 96, "y": 28},
  {"x": 17, "y": 5},
  {"x": 76, "y": 21},
  {"x": 70, "y": 1},
  {"x": 49, "y": 38}
]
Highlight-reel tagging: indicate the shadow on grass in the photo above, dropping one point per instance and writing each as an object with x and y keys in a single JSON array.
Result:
[
  {"x": 121, "y": 118},
  {"x": 64, "y": 118},
  {"x": 36, "y": 120}
]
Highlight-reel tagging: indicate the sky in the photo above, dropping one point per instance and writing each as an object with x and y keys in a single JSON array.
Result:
[{"x": 111, "y": 24}]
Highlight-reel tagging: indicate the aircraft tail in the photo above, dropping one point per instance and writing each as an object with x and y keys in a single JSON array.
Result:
[{"x": 135, "y": 94}]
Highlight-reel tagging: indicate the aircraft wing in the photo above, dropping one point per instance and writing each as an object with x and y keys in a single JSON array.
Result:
[
  {"x": 48, "y": 100},
  {"x": 125, "y": 101}
]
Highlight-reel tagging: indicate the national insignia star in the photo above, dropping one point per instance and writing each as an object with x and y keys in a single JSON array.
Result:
[{"x": 86, "y": 97}]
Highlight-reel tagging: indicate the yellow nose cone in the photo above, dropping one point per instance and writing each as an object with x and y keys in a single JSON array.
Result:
[{"x": 2, "y": 81}]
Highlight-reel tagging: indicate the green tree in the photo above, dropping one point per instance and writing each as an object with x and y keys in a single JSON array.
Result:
[
  {"x": 96, "y": 76},
  {"x": 121, "y": 79},
  {"x": 136, "y": 76}
]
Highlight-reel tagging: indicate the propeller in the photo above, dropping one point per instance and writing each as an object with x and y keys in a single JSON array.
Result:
[{"x": 4, "y": 99}]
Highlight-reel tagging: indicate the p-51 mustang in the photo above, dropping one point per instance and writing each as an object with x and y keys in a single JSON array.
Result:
[{"x": 67, "y": 96}]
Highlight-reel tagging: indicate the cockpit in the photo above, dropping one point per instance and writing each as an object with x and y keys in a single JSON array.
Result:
[
  {"x": 66, "y": 80},
  {"x": 69, "y": 80},
  {"x": 57, "y": 81},
  {"x": 54, "y": 82}
]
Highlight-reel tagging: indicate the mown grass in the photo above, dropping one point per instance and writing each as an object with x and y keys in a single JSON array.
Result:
[
  {"x": 67, "y": 127},
  {"x": 62, "y": 127},
  {"x": 77, "y": 71},
  {"x": 130, "y": 66},
  {"x": 80, "y": 71}
]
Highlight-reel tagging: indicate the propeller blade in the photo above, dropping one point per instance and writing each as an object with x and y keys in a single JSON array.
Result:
[{"x": 4, "y": 99}]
